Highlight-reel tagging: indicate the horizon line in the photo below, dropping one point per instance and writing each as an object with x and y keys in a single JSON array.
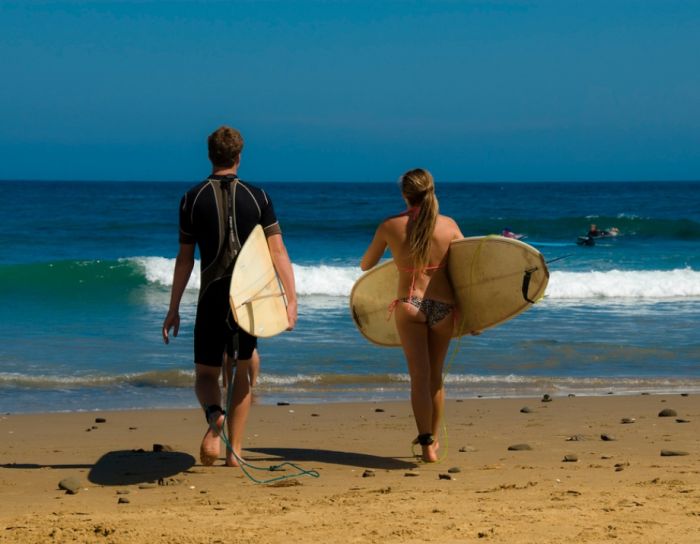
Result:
[{"x": 65, "y": 180}]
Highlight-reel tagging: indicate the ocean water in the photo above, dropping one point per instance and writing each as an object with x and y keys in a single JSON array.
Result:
[{"x": 86, "y": 269}]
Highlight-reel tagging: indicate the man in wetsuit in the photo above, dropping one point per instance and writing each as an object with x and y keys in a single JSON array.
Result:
[{"x": 218, "y": 215}]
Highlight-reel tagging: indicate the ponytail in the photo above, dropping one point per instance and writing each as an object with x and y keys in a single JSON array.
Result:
[{"x": 419, "y": 189}]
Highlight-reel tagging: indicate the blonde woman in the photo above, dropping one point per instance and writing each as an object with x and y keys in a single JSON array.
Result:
[{"x": 424, "y": 309}]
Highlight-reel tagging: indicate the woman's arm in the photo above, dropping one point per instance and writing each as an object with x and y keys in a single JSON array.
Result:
[
  {"x": 457, "y": 235},
  {"x": 375, "y": 250}
]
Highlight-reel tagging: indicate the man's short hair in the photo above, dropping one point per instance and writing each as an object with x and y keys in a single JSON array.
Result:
[{"x": 225, "y": 146}]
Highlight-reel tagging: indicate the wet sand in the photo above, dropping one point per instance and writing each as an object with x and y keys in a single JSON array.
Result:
[{"x": 370, "y": 488}]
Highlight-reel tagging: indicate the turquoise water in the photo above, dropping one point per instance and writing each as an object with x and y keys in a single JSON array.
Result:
[{"x": 86, "y": 271}]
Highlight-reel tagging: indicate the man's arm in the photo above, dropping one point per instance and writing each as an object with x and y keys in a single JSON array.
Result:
[
  {"x": 283, "y": 265},
  {"x": 183, "y": 268}
]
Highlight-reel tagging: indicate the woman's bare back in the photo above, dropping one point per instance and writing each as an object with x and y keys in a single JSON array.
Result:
[{"x": 431, "y": 281}]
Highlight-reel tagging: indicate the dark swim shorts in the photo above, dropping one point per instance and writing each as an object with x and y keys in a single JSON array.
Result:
[{"x": 215, "y": 331}]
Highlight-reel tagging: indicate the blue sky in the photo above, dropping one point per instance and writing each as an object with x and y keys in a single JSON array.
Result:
[{"x": 352, "y": 91}]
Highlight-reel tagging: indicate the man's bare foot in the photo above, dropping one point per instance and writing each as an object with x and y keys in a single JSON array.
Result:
[
  {"x": 231, "y": 459},
  {"x": 210, "y": 448}
]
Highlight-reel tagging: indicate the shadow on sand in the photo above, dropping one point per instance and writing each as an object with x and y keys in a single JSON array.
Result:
[
  {"x": 126, "y": 467},
  {"x": 361, "y": 460}
]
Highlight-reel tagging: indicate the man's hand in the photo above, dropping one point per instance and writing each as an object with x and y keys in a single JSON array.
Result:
[{"x": 172, "y": 320}]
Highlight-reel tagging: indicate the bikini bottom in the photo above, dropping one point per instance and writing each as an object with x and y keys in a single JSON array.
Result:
[{"x": 433, "y": 310}]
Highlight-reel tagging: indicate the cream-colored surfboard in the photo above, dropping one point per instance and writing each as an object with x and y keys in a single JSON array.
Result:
[
  {"x": 257, "y": 299},
  {"x": 494, "y": 279}
]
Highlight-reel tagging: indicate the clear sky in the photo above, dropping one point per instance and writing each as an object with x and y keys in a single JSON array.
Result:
[{"x": 352, "y": 91}]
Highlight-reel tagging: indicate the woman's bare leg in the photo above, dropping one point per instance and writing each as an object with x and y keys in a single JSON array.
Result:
[
  {"x": 413, "y": 333},
  {"x": 438, "y": 344}
]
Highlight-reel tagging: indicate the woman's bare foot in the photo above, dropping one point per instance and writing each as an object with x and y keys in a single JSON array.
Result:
[
  {"x": 430, "y": 453},
  {"x": 210, "y": 448}
]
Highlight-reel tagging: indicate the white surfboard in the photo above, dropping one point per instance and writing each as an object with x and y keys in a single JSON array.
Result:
[
  {"x": 494, "y": 279},
  {"x": 256, "y": 295}
]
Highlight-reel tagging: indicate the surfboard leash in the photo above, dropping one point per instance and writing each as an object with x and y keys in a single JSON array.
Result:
[
  {"x": 450, "y": 360},
  {"x": 458, "y": 344},
  {"x": 247, "y": 467}
]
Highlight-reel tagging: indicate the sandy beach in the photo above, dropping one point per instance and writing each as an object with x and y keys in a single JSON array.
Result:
[{"x": 370, "y": 488}]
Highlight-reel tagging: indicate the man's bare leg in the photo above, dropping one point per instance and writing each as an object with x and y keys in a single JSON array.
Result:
[
  {"x": 206, "y": 386},
  {"x": 241, "y": 400}
]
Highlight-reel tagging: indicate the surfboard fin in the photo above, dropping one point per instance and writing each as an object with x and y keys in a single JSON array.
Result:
[{"x": 526, "y": 283}]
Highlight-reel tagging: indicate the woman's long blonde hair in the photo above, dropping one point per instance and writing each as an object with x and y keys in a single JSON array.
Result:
[{"x": 418, "y": 189}]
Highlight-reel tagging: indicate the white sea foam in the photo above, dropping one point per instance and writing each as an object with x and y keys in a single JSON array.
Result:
[
  {"x": 337, "y": 281},
  {"x": 325, "y": 280},
  {"x": 632, "y": 284},
  {"x": 159, "y": 270}
]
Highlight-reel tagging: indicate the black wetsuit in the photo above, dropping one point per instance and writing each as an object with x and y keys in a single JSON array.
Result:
[{"x": 218, "y": 215}]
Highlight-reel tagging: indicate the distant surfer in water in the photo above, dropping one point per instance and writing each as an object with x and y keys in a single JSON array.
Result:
[
  {"x": 218, "y": 215},
  {"x": 507, "y": 233},
  {"x": 424, "y": 309},
  {"x": 593, "y": 231}
]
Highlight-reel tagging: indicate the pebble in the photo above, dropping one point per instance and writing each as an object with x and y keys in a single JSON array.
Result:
[
  {"x": 571, "y": 395},
  {"x": 546, "y": 398},
  {"x": 133, "y": 428},
  {"x": 525, "y": 410},
  {"x": 684, "y": 394},
  {"x": 147, "y": 486},
  {"x": 411, "y": 474},
  {"x": 627, "y": 420},
  {"x": 571, "y": 458},
  {"x": 576, "y": 438},
  {"x": 672, "y": 453},
  {"x": 123, "y": 492},
  {"x": 467, "y": 449},
  {"x": 100, "y": 420},
  {"x": 454, "y": 470},
  {"x": 71, "y": 485},
  {"x": 444, "y": 477},
  {"x": 519, "y": 447},
  {"x": 607, "y": 437},
  {"x": 681, "y": 420},
  {"x": 368, "y": 474},
  {"x": 379, "y": 410},
  {"x": 123, "y": 500},
  {"x": 667, "y": 412},
  {"x": 314, "y": 415},
  {"x": 282, "y": 404}
]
